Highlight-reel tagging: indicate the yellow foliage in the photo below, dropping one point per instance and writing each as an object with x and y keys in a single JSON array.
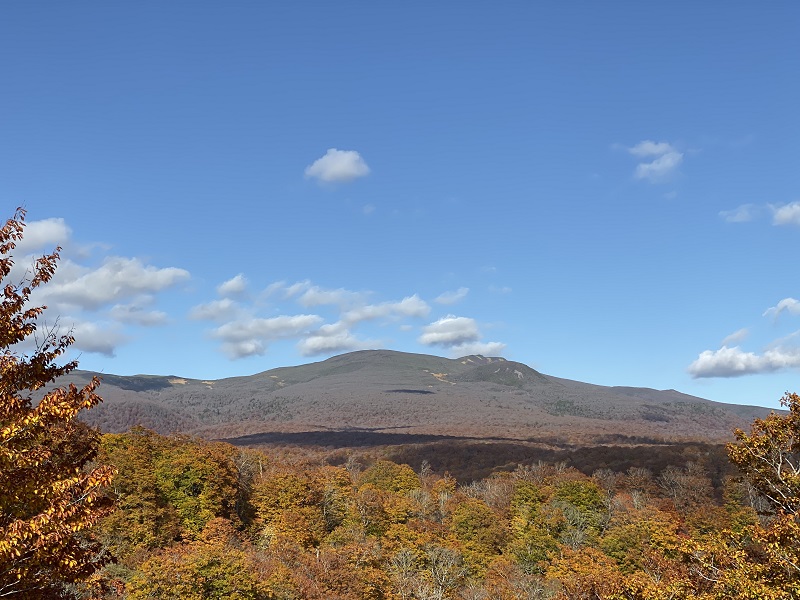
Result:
[{"x": 48, "y": 496}]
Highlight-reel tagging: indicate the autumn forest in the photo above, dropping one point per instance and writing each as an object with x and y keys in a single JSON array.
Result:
[{"x": 141, "y": 515}]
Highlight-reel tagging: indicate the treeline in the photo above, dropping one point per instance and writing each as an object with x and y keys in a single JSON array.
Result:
[{"x": 199, "y": 519}]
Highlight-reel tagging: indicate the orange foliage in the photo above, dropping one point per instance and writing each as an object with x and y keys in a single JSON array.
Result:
[{"x": 48, "y": 495}]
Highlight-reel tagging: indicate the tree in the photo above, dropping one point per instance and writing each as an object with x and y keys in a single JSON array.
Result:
[
  {"x": 217, "y": 565},
  {"x": 49, "y": 495},
  {"x": 769, "y": 457}
]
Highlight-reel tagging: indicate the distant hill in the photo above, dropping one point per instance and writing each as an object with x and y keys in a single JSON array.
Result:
[{"x": 386, "y": 392}]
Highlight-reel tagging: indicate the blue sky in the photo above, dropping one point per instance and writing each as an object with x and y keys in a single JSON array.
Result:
[{"x": 608, "y": 192}]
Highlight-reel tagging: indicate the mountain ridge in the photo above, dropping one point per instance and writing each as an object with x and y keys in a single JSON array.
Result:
[{"x": 377, "y": 390}]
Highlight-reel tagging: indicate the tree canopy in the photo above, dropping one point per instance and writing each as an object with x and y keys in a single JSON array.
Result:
[{"x": 49, "y": 492}]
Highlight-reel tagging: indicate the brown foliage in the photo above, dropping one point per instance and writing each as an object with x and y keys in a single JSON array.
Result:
[{"x": 49, "y": 494}]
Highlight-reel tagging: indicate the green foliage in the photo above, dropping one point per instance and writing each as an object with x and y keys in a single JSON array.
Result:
[
  {"x": 199, "y": 479},
  {"x": 144, "y": 519},
  {"x": 215, "y": 566},
  {"x": 527, "y": 496},
  {"x": 532, "y": 548},
  {"x": 480, "y": 531},
  {"x": 583, "y": 495},
  {"x": 390, "y": 477}
]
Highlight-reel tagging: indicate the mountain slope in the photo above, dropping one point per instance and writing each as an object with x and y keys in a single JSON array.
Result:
[{"x": 382, "y": 390}]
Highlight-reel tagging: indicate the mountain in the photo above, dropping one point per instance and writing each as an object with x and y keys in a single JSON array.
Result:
[{"x": 381, "y": 392}]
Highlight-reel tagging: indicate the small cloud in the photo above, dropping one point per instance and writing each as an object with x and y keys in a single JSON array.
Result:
[
  {"x": 788, "y": 214},
  {"x": 137, "y": 313},
  {"x": 411, "y": 306},
  {"x": 452, "y": 297},
  {"x": 268, "y": 329},
  {"x": 790, "y": 340},
  {"x": 337, "y": 340},
  {"x": 659, "y": 168},
  {"x": 663, "y": 160},
  {"x": 734, "y": 362},
  {"x": 243, "y": 349},
  {"x": 317, "y": 296},
  {"x": 368, "y": 209},
  {"x": 233, "y": 287},
  {"x": 736, "y": 337},
  {"x": 459, "y": 336},
  {"x": 450, "y": 331},
  {"x": 740, "y": 214},
  {"x": 295, "y": 288},
  {"x": 338, "y": 166},
  {"x": 250, "y": 336},
  {"x": 216, "y": 310},
  {"x": 671, "y": 195},
  {"x": 43, "y": 236},
  {"x": 94, "y": 338},
  {"x": 274, "y": 288},
  {"x": 789, "y": 305},
  {"x": 482, "y": 348}
]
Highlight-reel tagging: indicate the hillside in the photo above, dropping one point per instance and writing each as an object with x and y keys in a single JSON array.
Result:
[{"x": 388, "y": 393}]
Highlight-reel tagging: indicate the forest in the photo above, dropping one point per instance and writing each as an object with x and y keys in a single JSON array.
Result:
[
  {"x": 140, "y": 515},
  {"x": 202, "y": 519}
]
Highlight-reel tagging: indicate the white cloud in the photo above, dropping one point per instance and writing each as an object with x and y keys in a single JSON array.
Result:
[
  {"x": 137, "y": 313},
  {"x": 244, "y": 348},
  {"x": 351, "y": 303},
  {"x": 788, "y": 214},
  {"x": 411, "y": 306},
  {"x": 789, "y": 305},
  {"x": 733, "y": 362},
  {"x": 116, "y": 279},
  {"x": 43, "y": 235},
  {"x": 452, "y": 297},
  {"x": 233, "y": 287},
  {"x": 368, "y": 209},
  {"x": 450, "y": 331},
  {"x": 124, "y": 289},
  {"x": 338, "y": 166},
  {"x": 291, "y": 290},
  {"x": 789, "y": 339},
  {"x": 242, "y": 333},
  {"x": 735, "y": 338},
  {"x": 317, "y": 296},
  {"x": 250, "y": 336},
  {"x": 329, "y": 343},
  {"x": 460, "y": 336},
  {"x": 740, "y": 214},
  {"x": 94, "y": 337},
  {"x": 482, "y": 348},
  {"x": 309, "y": 295},
  {"x": 266, "y": 329},
  {"x": 663, "y": 160},
  {"x": 659, "y": 168},
  {"x": 216, "y": 310}
]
